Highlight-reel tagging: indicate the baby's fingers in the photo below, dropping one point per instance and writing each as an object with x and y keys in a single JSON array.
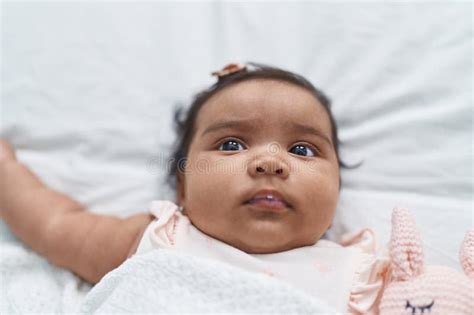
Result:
[{"x": 6, "y": 151}]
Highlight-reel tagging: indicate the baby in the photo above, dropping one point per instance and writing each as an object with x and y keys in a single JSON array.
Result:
[{"x": 256, "y": 169}]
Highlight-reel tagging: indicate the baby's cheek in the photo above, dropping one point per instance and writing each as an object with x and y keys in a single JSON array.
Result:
[
  {"x": 201, "y": 173},
  {"x": 210, "y": 184},
  {"x": 322, "y": 186},
  {"x": 321, "y": 197}
]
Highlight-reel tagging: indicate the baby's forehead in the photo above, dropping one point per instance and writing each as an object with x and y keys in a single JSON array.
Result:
[
  {"x": 266, "y": 102},
  {"x": 248, "y": 90}
]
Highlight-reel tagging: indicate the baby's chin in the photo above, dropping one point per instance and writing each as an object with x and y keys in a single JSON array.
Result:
[
  {"x": 266, "y": 242},
  {"x": 262, "y": 248}
]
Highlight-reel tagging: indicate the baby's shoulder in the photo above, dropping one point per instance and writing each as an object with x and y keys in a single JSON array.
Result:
[
  {"x": 163, "y": 208},
  {"x": 167, "y": 228}
]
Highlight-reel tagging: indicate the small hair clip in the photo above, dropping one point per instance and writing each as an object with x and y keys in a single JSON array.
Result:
[{"x": 229, "y": 69}]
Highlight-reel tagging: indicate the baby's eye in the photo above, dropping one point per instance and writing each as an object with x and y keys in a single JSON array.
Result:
[
  {"x": 231, "y": 145},
  {"x": 302, "y": 150}
]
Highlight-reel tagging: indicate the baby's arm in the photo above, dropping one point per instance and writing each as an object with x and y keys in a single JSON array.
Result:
[{"x": 60, "y": 228}]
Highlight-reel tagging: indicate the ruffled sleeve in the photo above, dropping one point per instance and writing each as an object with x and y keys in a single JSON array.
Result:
[
  {"x": 161, "y": 232},
  {"x": 371, "y": 272}
]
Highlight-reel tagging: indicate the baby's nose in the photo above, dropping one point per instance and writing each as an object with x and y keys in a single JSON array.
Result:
[{"x": 269, "y": 166}]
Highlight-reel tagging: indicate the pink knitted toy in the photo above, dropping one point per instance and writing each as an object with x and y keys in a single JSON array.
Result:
[{"x": 414, "y": 288}]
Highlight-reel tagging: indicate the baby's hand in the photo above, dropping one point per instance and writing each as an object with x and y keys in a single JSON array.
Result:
[{"x": 6, "y": 151}]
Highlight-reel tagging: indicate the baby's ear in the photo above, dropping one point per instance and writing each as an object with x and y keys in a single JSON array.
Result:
[
  {"x": 406, "y": 250},
  {"x": 466, "y": 255}
]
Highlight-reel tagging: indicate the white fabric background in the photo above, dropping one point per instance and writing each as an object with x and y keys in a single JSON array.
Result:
[{"x": 88, "y": 91}]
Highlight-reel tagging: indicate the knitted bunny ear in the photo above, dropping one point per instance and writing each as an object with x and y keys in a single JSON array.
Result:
[
  {"x": 406, "y": 251},
  {"x": 466, "y": 255}
]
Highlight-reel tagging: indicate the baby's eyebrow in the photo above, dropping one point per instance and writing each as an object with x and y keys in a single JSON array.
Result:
[
  {"x": 308, "y": 129},
  {"x": 231, "y": 124}
]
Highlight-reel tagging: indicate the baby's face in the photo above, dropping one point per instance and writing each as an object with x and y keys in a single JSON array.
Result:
[{"x": 254, "y": 136}]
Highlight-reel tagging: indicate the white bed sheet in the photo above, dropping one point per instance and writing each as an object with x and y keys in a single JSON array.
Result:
[{"x": 88, "y": 91}]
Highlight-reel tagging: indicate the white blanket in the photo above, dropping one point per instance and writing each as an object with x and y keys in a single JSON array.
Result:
[
  {"x": 164, "y": 281},
  {"x": 157, "y": 282},
  {"x": 29, "y": 284}
]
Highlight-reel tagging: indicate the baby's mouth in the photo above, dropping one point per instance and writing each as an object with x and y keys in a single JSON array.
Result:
[{"x": 269, "y": 200}]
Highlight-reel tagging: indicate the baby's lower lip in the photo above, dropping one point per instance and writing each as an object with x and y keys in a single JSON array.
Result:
[{"x": 268, "y": 204}]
